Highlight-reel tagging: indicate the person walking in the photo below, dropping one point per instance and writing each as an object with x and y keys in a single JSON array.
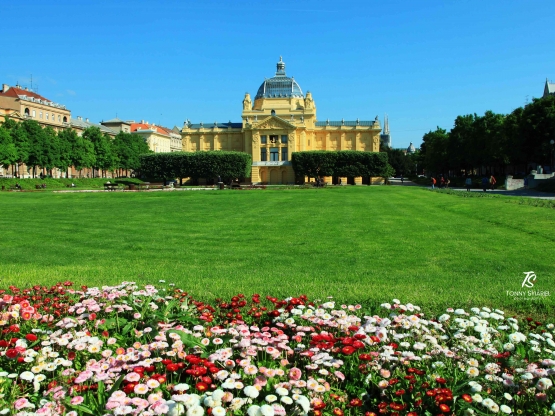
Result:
[
  {"x": 468, "y": 183},
  {"x": 433, "y": 182},
  {"x": 402, "y": 179},
  {"x": 492, "y": 182},
  {"x": 442, "y": 182},
  {"x": 485, "y": 183}
]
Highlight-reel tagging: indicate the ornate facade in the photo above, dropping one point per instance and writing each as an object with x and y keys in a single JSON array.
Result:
[{"x": 282, "y": 120}]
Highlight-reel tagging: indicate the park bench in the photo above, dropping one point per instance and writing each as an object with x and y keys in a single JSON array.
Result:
[
  {"x": 145, "y": 186},
  {"x": 111, "y": 186}
]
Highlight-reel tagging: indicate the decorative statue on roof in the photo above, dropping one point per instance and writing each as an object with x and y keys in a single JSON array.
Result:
[
  {"x": 308, "y": 101},
  {"x": 247, "y": 103}
]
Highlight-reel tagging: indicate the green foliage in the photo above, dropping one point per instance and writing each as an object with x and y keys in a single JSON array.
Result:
[
  {"x": 104, "y": 158},
  {"x": 227, "y": 165},
  {"x": 314, "y": 164},
  {"x": 434, "y": 150},
  {"x": 128, "y": 147},
  {"x": 28, "y": 143},
  {"x": 8, "y": 151},
  {"x": 402, "y": 163},
  {"x": 493, "y": 140},
  {"x": 343, "y": 163}
]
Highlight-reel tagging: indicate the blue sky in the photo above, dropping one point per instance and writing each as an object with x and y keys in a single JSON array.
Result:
[{"x": 423, "y": 63}]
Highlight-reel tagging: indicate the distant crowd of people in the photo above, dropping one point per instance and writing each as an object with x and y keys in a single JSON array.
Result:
[{"x": 487, "y": 183}]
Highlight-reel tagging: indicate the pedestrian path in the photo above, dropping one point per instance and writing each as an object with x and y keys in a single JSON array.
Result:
[{"x": 525, "y": 193}]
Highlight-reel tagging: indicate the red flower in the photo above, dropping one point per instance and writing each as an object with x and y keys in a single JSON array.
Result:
[
  {"x": 356, "y": 402},
  {"x": 172, "y": 368},
  {"x": 71, "y": 355},
  {"x": 467, "y": 398},
  {"x": 396, "y": 406},
  {"x": 202, "y": 387},
  {"x": 31, "y": 337},
  {"x": 11, "y": 353},
  {"x": 337, "y": 412},
  {"x": 441, "y": 380},
  {"x": 444, "y": 408},
  {"x": 400, "y": 392},
  {"x": 348, "y": 350}
]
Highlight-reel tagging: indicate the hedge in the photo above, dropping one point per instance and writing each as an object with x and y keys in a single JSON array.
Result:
[
  {"x": 227, "y": 165},
  {"x": 347, "y": 163}
]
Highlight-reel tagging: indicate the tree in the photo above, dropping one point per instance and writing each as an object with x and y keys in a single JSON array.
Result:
[
  {"x": 51, "y": 149},
  {"x": 103, "y": 155},
  {"x": 400, "y": 161},
  {"x": 538, "y": 128},
  {"x": 66, "y": 140},
  {"x": 127, "y": 148},
  {"x": 37, "y": 144},
  {"x": 434, "y": 150},
  {"x": 8, "y": 151}
]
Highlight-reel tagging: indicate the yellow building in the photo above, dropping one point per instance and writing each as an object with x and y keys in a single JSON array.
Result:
[
  {"x": 282, "y": 120},
  {"x": 22, "y": 103}
]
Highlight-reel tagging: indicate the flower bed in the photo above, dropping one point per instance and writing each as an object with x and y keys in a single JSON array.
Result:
[{"x": 148, "y": 351}]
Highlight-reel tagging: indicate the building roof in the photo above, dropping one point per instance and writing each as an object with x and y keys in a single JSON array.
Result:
[
  {"x": 344, "y": 123},
  {"x": 25, "y": 94},
  {"x": 215, "y": 124},
  {"x": 137, "y": 127},
  {"x": 115, "y": 121},
  {"x": 83, "y": 124},
  {"x": 279, "y": 86}
]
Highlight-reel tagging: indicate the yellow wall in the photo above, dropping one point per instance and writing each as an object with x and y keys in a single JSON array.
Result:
[{"x": 292, "y": 117}]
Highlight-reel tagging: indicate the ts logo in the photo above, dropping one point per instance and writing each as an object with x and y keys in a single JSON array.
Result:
[{"x": 529, "y": 280}]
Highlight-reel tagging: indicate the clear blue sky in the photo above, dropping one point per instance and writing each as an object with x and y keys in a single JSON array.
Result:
[{"x": 423, "y": 63}]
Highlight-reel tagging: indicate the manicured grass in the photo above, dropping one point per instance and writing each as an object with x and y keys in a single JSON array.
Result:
[{"x": 357, "y": 244}]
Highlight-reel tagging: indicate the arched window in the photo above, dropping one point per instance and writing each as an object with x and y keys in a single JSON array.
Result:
[
  {"x": 65, "y": 119},
  {"x": 27, "y": 111},
  {"x": 273, "y": 112}
]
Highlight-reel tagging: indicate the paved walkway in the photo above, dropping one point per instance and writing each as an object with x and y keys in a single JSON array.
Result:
[{"x": 526, "y": 193}]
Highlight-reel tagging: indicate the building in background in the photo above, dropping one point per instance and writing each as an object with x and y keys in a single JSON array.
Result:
[
  {"x": 385, "y": 137},
  {"x": 160, "y": 139},
  {"x": 22, "y": 103},
  {"x": 549, "y": 88},
  {"x": 282, "y": 120},
  {"x": 79, "y": 125}
]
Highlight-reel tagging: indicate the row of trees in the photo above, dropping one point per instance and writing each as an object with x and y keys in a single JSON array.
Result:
[
  {"x": 349, "y": 163},
  {"x": 44, "y": 149},
  {"x": 209, "y": 165},
  {"x": 493, "y": 141}
]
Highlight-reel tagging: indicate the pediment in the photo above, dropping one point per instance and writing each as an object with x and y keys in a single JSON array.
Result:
[{"x": 274, "y": 123}]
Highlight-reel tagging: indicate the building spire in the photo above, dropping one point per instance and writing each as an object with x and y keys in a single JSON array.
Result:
[
  {"x": 386, "y": 125},
  {"x": 280, "y": 67}
]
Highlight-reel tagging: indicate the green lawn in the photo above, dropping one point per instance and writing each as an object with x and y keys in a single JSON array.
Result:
[{"x": 357, "y": 244}]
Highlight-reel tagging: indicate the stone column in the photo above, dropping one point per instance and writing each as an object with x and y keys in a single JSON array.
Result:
[{"x": 358, "y": 180}]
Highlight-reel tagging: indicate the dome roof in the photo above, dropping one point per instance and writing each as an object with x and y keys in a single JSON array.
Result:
[
  {"x": 411, "y": 148},
  {"x": 280, "y": 85}
]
